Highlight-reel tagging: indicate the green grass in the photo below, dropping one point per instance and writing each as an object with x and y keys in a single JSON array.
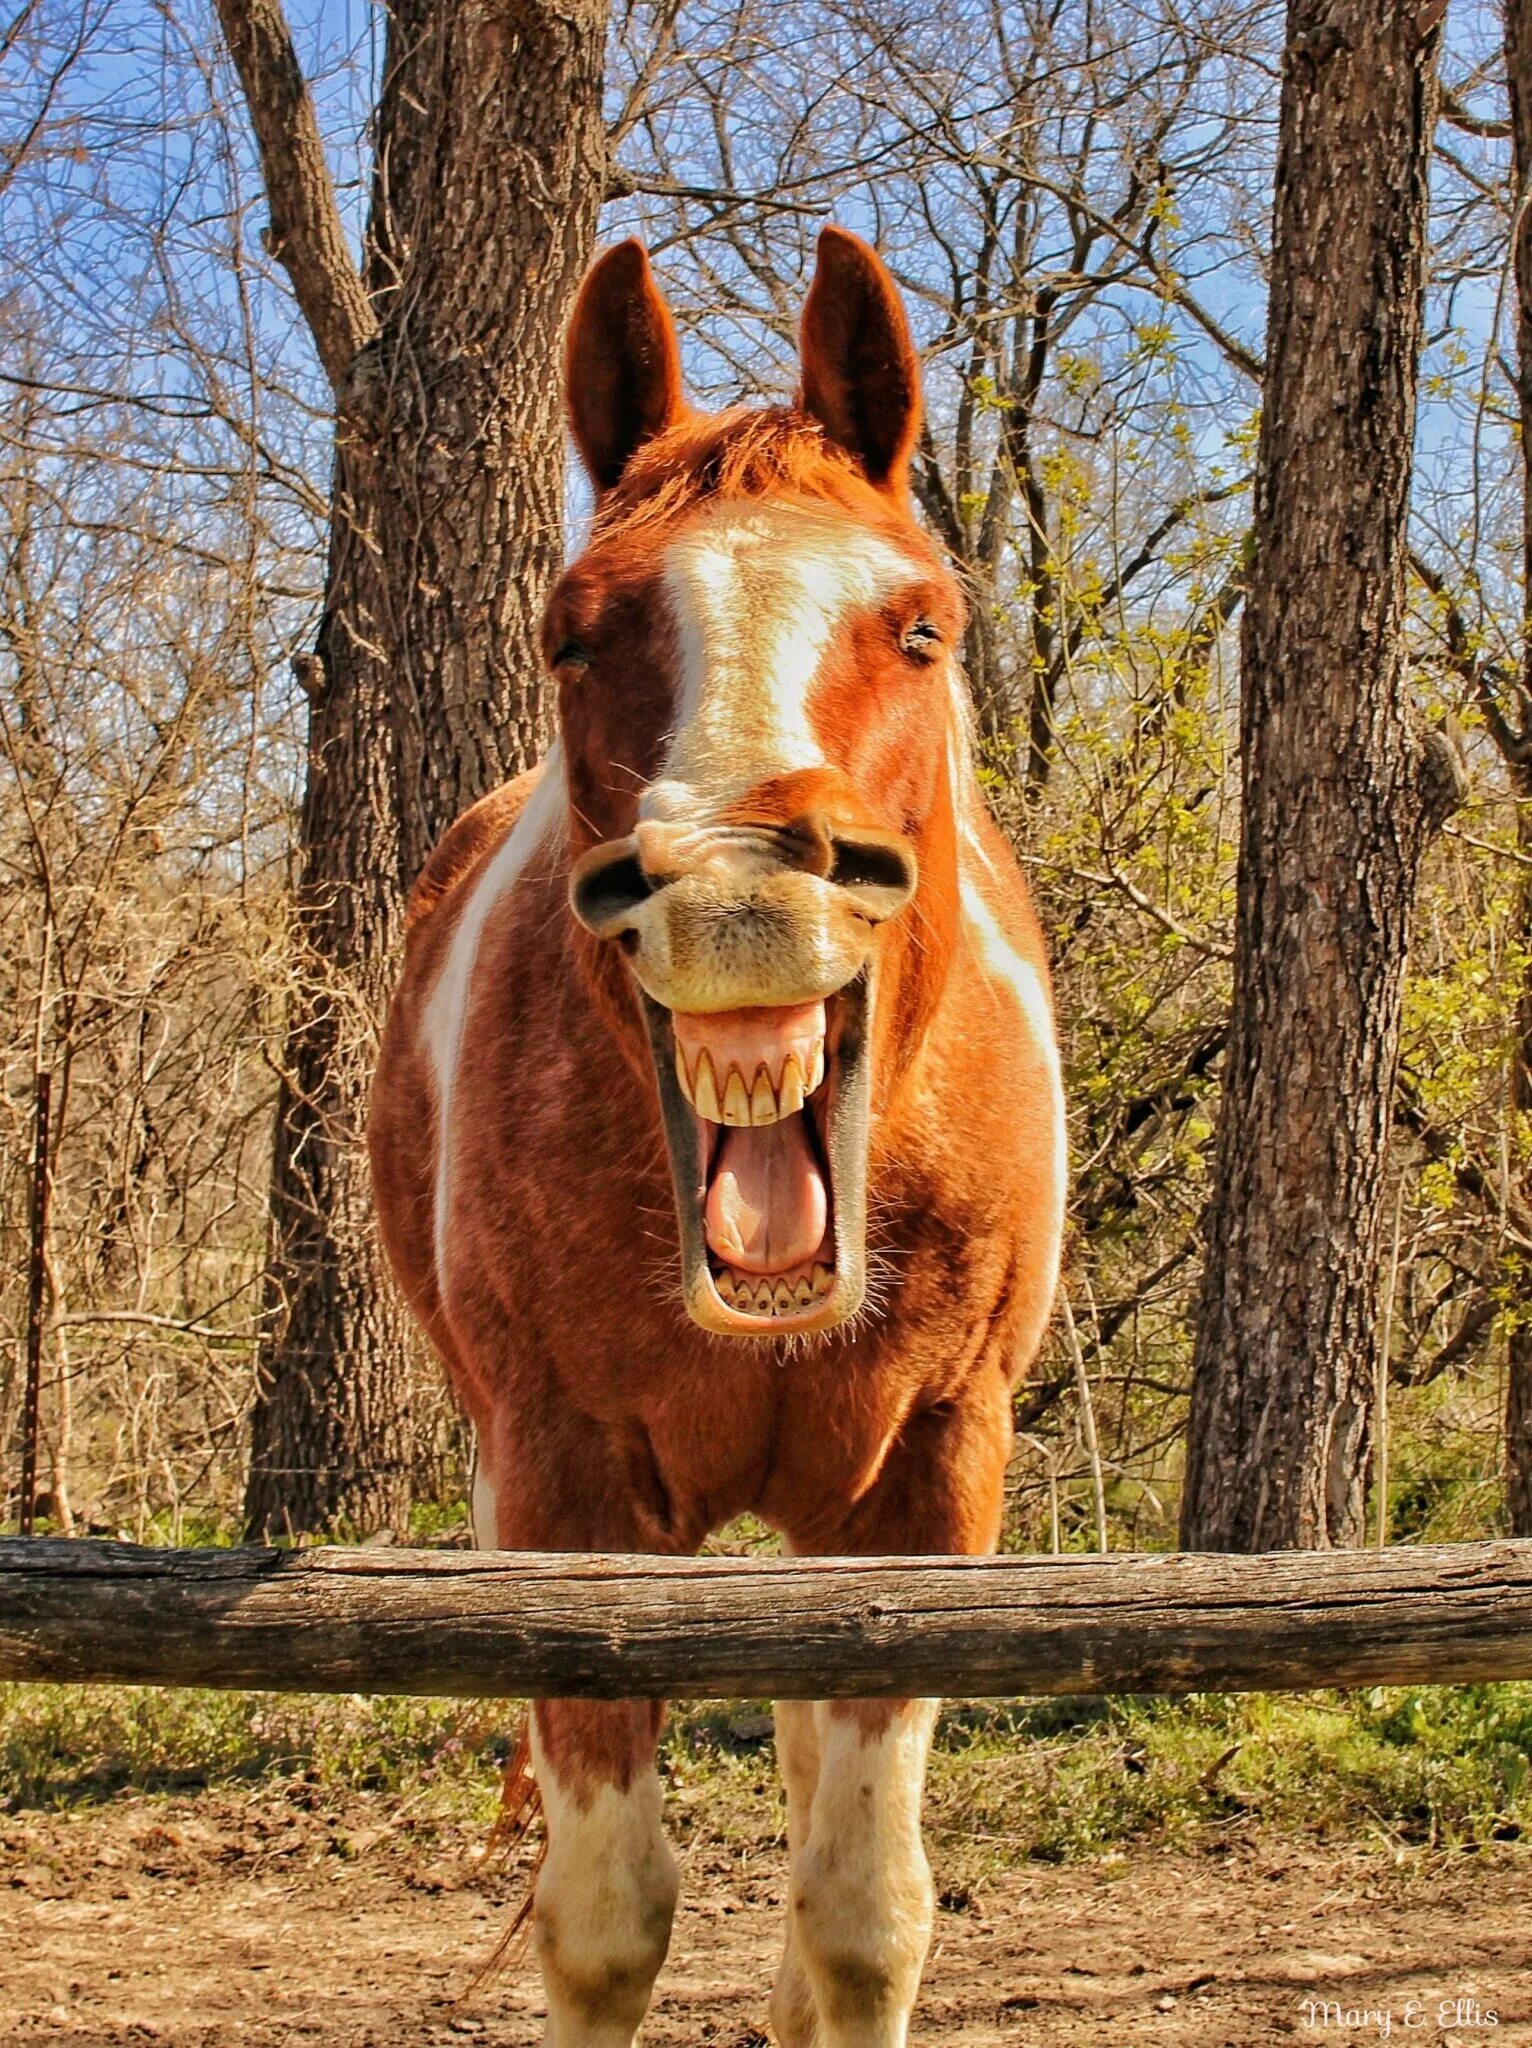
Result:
[
  {"x": 67, "y": 1746},
  {"x": 1049, "y": 1780},
  {"x": 1057, "y": 1780}
]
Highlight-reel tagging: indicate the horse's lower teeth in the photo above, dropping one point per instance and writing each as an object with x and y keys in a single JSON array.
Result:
[{"x": 761, "y": 1297}]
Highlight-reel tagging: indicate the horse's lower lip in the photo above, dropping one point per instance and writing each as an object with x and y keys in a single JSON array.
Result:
[{"x": 837, "y": 1116}]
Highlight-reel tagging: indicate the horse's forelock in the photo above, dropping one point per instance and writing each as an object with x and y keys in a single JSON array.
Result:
[{"x": 747, "y": 453}]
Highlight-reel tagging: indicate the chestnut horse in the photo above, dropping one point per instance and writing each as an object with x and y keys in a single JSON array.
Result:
[{"x": 718, "y": 1135}]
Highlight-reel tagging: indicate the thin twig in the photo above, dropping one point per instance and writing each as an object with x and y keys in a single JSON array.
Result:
[
  {"x": 1087, "y": 1422},
  {"x": 1385, "y": 1346}
]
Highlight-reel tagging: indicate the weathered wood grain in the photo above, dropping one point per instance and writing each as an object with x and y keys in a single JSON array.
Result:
[{"x": 503, "y": 1624}]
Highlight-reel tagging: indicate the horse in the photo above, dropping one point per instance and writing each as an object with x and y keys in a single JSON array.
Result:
[{"x": 717, "y": 1134}]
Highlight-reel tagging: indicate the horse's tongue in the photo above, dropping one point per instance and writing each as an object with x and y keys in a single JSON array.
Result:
[{"x": 766, "y": 1203}]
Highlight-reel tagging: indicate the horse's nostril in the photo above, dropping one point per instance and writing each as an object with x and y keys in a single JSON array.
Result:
[
  {"x": 877, "y": 870},
  {"x": 861, "y": 864},
  {"x": 809, "y": 843},
  {"x": 610, "y": 884},
  {"x": 606, "y": 886}
]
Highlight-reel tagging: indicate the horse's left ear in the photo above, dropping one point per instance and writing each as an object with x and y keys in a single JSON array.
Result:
[{"x": 861, "y": 375}]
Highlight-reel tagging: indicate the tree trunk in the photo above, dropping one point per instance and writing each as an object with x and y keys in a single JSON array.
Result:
[
  {"x": 1339, "y": 795},
  {"x": 491, "y": 168},
  {"x": 1517, "y": 741},
  {"x": 330, "y": 1431},
  {"x": 445, "y": 536}
]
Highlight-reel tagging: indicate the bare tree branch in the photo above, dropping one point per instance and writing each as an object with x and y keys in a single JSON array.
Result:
[
  {"x": 1484, "y": 678},
  {"x": 1453, "y": 110},
  {"x": 305, "y": 236}
]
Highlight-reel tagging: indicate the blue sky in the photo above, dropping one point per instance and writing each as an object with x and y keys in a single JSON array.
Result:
[{"x": 132, "y": 282}]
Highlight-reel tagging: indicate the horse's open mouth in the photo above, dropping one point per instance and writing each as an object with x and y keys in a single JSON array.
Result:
[{"x": 766, "y": 1118}]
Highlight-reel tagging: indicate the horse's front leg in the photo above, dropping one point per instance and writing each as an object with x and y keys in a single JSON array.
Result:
[
  {"x": 860, "y": 1898},
  {"x": 607, "y": 1889},
  {"x": 606, "y": 1892}
]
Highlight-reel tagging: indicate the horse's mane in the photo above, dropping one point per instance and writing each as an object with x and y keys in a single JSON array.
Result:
[{"x": 746, "y": 452}]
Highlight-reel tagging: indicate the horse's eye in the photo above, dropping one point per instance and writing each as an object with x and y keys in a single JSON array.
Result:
[
  {"x": 921, "y": 637},
  {"x": 573, "y": 654}
]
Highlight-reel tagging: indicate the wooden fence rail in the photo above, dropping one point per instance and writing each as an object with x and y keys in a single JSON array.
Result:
[{"x": 483, "y": 1625}]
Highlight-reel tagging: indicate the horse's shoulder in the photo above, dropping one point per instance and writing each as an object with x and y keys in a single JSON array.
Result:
[{"x": 481, "y": 828}]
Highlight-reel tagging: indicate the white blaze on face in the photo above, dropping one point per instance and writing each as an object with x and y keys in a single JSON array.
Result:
[{"x": 759, "y": 593}]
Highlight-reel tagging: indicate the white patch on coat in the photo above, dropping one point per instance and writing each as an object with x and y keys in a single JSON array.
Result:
[
  {"x": 605, "y": 1899},
  {"x": 860, "y": 1888},
  {"x": 1002, "y": 962},
  {"x": 759, "y": 593},
  {"x": 1005, "y": 966},
  {"x": 482, "y": 1518},
  {"x": 446, "y": 1012},
  {"x": 967, "y": 797}
]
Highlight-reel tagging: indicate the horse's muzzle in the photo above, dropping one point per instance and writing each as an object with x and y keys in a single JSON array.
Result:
[
  {"x": 871, "y": 872},
  {"x": 753, "y": 947}
]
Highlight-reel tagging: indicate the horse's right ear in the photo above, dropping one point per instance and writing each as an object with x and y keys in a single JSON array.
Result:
[{"x": 622, "y": 368}]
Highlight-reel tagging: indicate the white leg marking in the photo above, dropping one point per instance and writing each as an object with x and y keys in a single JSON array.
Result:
[
  {"x": 759, "y": 592},
  {"x": 792, "y": 2001},
  {"x": 447, "y": 1010},
  {"x": 860, "y": 1894},
  {"x": 605, "y": 1899}
]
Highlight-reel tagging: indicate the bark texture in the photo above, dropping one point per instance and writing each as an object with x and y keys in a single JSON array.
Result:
[
  {"x": 494, "y": 1624},
  {"x": 425, "y": 686},
  {"x": 1339, "y": 794},
  {"x": 1515, "y": 739}
]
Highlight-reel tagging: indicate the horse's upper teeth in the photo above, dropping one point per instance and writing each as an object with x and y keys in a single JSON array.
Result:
[
  {"x": 736, "y": 1100},
  {"x": 790, "y": 1092},
  {"x": 702, "y": 1090}
]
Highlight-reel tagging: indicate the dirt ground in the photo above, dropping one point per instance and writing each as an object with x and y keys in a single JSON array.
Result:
[{"x": 246, "y": 1920}]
